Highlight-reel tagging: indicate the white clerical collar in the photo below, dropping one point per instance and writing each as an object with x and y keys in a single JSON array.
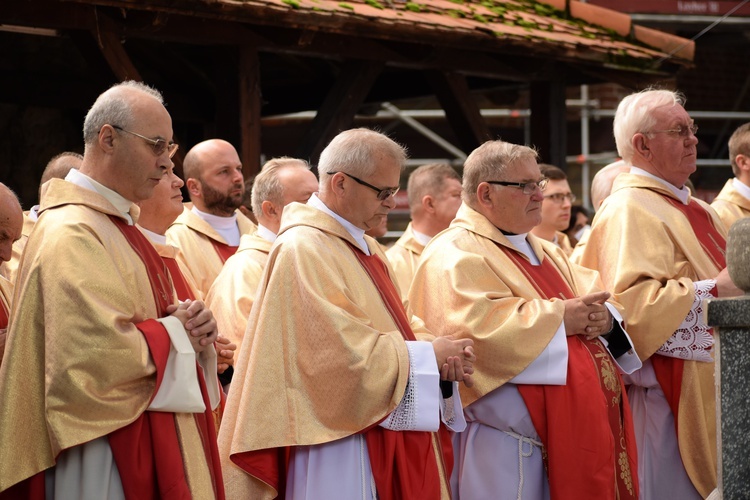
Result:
[
  {"x": 682, "y": 194},
  {"x": 116, "y": 199},
  {"x": 34, "y": 213},
  {"x": 521, "y": 244},
  {"x": 421, "y": 238},
  {"x": 226, "y": 226},
  {"x": 356, "y": 233},
  {"x": 160, "y": 239},
  {"x": 266, "y": 233},
  {"x": 741, "y": 187}
]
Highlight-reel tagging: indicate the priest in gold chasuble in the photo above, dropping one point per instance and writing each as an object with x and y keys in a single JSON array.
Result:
[
  {"x": 660, "y": 252},
  {"x": 101, "y": 388},
  {"x": 547, "y": 415},
  {"x": 337, "y": 392}
]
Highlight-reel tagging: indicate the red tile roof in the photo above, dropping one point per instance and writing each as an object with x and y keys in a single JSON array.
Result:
[{"x": 568, "y": 29}]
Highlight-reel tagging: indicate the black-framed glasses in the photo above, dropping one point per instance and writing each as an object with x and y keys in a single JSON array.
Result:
[
  {"x": 383, "y": 193},
  {"x": 526, "y": 187},
  {"x": 681, "y": 130},
  {"x": 560, "y": 197},
  {"x": 158, "y": 145}
]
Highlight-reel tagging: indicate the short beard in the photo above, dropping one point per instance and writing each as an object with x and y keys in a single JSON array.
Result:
[{"x": 219, "y": 203}]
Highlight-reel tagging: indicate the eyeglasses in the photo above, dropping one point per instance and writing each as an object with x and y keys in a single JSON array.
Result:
[
  {"x": 681, "y": 130},
  {"x": 526, "y": 187},
  {"x": 560, "y": 197},
  {"x": 158, "y": 145},
  {"x": 383, "y": 194}
]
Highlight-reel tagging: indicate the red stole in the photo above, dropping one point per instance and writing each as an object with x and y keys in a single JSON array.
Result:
[
  {"x": 149, "y": 461},
  {"x": 669, "y": 370},
  {"x": 403, "y": 463},
  {"x": 585, "y": 425},
  {"x": 3, "y": 315},
  {"x": 178, "y": 279},
  {"x": 223, "y": 250}
]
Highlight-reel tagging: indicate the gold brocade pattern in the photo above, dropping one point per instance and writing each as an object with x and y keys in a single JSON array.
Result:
[
  {"x": 191, "y": 235},
  {"x": 232, "y": 294},
  {"x": 656, "y": 288},
  {"x": 731, "y": 205},
  {"x": 327, "y": 307},
  {"x": 71, "y": 395},
  {"x": 625, "y": 475},
  {"x": 485, "y": 296},
  {"x": 612, "y": 389},
  {"x": 404, "y": 257}
]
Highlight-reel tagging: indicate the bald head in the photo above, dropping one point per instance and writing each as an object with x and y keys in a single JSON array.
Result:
[
  {"x": 11, "y": 221},
  {"x": 601, "y": 184},
  {"x": 59, "y": 166},
  {"x": 213, "y": 175}
]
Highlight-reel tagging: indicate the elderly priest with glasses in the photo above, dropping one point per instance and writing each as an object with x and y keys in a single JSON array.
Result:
[
  {"x": 341, "y": 394},
  {"x": 660, "y": 251},
  {"x": 102, "y": 393},
  {"x": 547, "y": 415}
]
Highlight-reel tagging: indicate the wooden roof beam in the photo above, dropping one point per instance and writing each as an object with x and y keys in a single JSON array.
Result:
[{"x": 339, "y": 107}]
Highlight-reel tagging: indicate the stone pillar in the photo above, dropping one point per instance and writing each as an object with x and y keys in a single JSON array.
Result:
[{"x": 731, "y": 321}]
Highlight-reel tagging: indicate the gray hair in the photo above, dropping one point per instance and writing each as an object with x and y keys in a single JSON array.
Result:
[
  {"x": 634, "y": 115},
  {"x": 428, "y": 180},
  {"x": 267, "y": 185},
  {"x": 357, "y": 151},
  {"x": 489, "y": 162},
  {"x": 114, "y": 108}
]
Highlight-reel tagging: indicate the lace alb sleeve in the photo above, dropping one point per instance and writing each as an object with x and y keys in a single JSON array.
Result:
[{"x": 694, "y": 339}]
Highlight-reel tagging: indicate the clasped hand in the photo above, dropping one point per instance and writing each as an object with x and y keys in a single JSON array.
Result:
[
  {"x": 588, "y": 315},
  {"x": 198, "y": 321},
  {"x": 455, "y": 359}
]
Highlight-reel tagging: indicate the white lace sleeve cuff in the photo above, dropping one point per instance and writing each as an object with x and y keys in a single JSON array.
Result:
[
  {"x": 419, "y": 409},
  {"x": 694, "y": 339},
  {"x": 451, "y": 411}
]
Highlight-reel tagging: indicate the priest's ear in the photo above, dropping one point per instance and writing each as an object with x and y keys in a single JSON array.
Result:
[
  {"x": 483, "y": 195},
  {"x": 271, "y": 211},
  {"x": 194, "y": 187},
  {"x": 640, "y": 145}
]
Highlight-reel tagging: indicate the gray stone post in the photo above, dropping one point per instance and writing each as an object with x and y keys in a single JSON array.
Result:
[{"x": 731, "y": 321}]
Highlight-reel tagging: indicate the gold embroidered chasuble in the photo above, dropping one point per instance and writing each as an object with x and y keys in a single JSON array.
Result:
[
  {"x": 476, "y": 291},
  {"x": 649, "y": 257},
  {"x": 86, "y": 368},
  {"x": 731, "y": 205},
  {"x": 322, "y": 358},
  {"x": 564, "y": 242},
  {"x": 232, "y": 295},
  {"x": 192, "y": 235},
  {"x": 9, "y": 269},
  {"x": 171, "y": 252},
  {"x": 404, "y": 256}
]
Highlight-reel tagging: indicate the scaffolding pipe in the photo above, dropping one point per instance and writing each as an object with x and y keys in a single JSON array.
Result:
[
  {"x": 585, "y": 145},
  {"x": 425, "y": 131}
]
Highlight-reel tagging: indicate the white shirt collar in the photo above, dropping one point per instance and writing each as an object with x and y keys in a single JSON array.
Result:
[
  {"x": 741, "y": 187},
  {"x": 356, "y": 233},
  {"x": 521, "y": 244},
  {"x": 421, "y": 238},
  {"x": 116, "y": 199},
  {"x": 266, "y": 233},
  {"x": 683, "y": 194},
  {"x": 157, "y": 238},
  {"x": 226, "y": 226},
  {"x": 34, "y": 213},
  {"x": 216, "y": 221}
]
